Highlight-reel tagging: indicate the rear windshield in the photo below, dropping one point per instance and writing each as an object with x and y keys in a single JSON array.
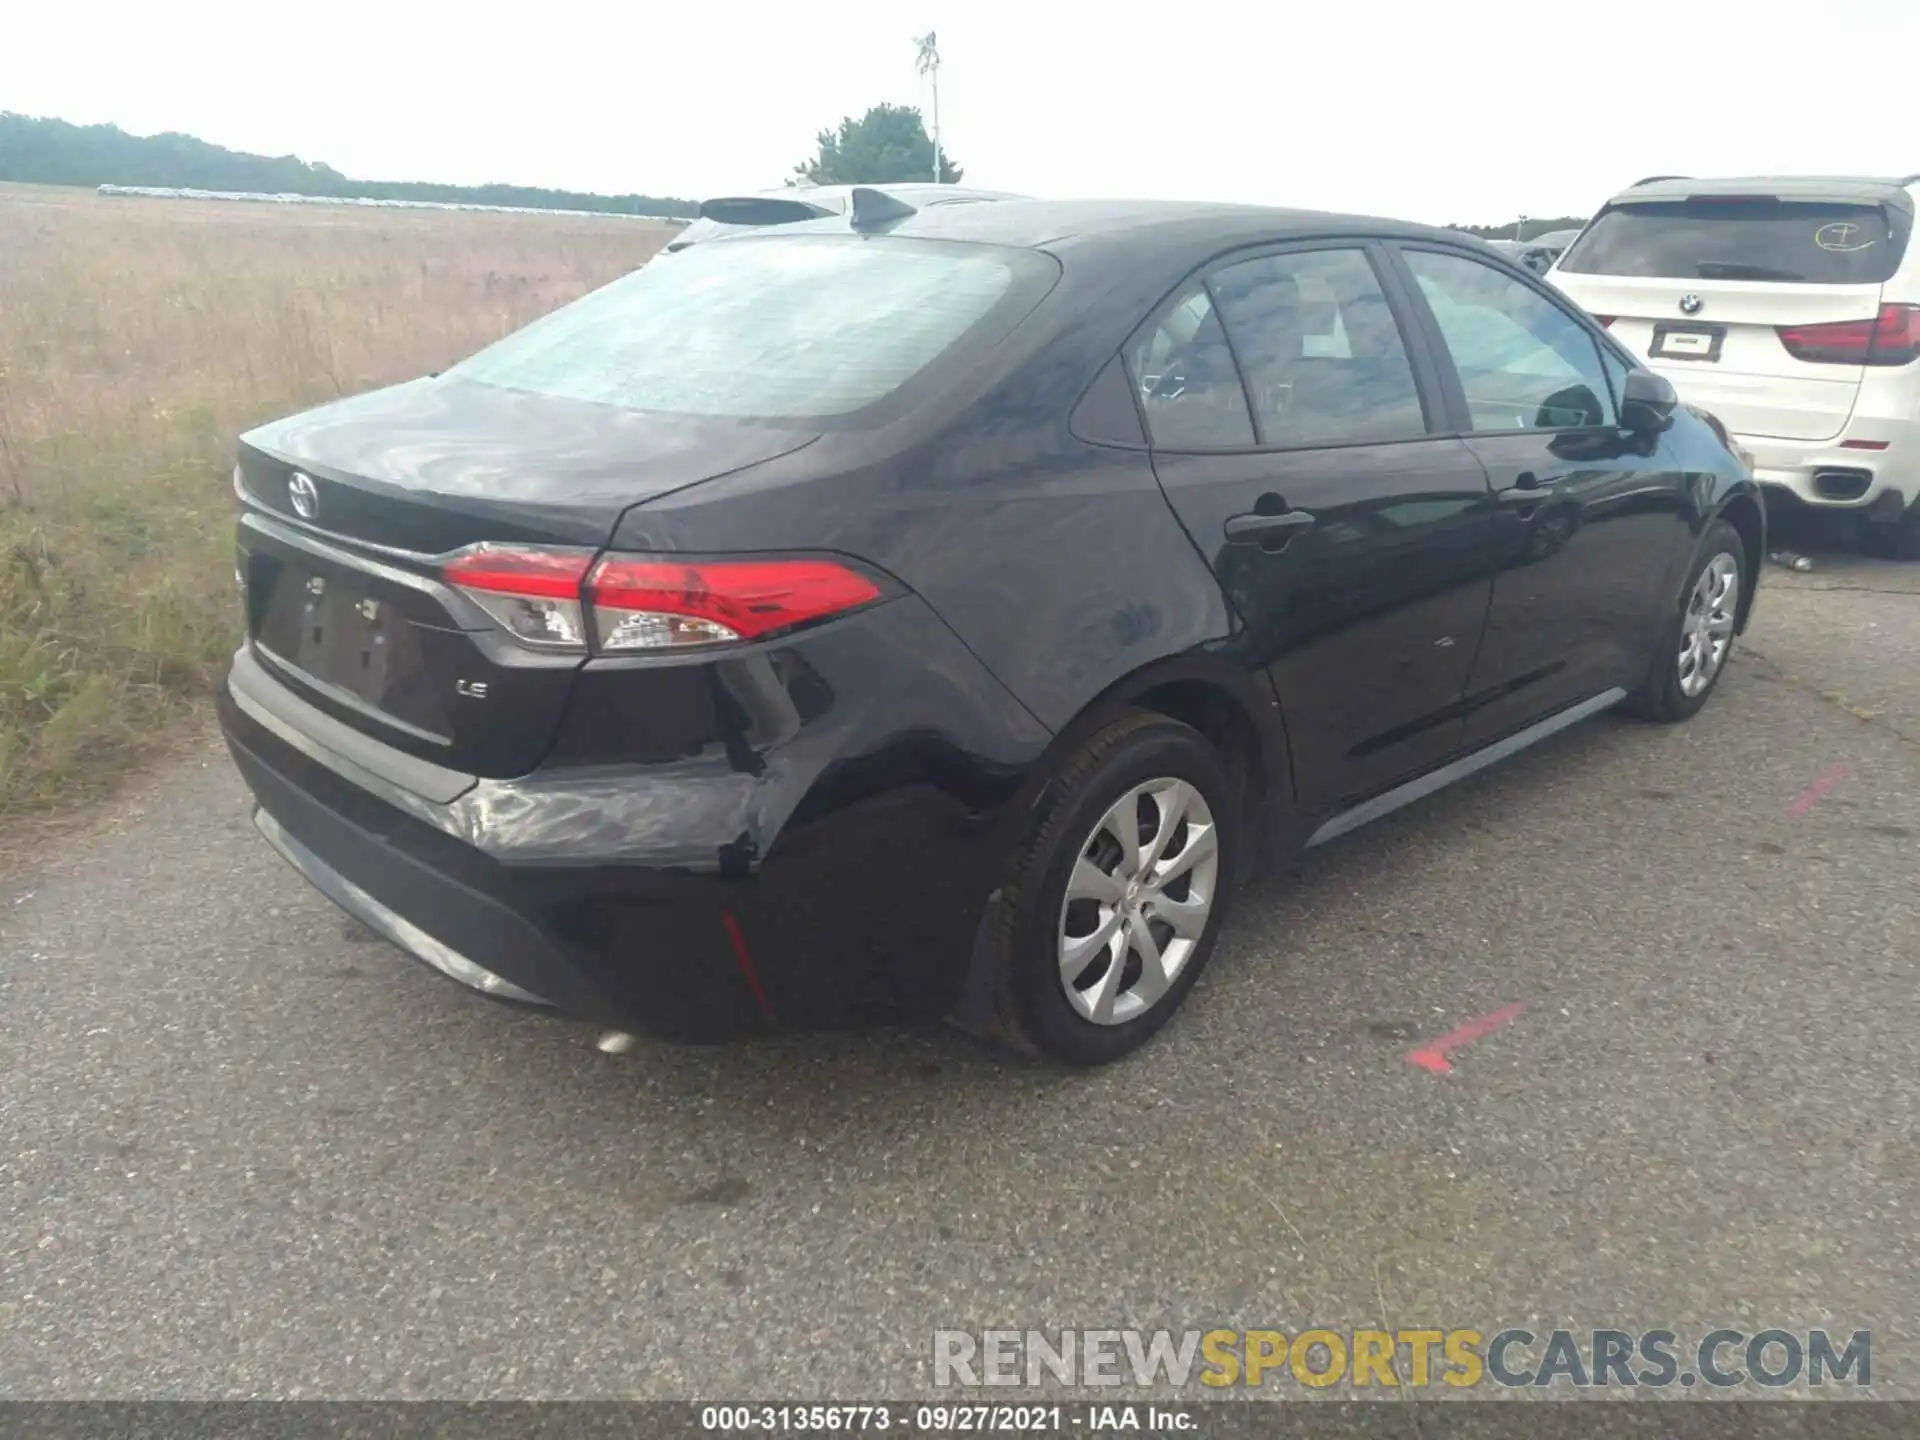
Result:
[
  {"x": 811, "y": 328},
  {"x": 1791, "y": 241}
]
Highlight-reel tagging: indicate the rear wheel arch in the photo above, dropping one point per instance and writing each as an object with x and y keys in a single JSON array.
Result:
[
  {"x": 1022, "y": 992},
  {"x": 1234, "y": 711},
  {"x": 1205, "y": 692},
  {"x": 1223, "y": 719}
]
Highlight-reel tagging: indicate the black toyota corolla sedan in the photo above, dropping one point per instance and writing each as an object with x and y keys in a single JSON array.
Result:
[{"x": 938, "y": 617}]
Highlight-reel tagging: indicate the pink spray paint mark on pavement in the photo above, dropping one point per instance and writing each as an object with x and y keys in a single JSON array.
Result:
[
  {"x": 1433, "y": 1055},
  {"x": 1814, "y": 793}
]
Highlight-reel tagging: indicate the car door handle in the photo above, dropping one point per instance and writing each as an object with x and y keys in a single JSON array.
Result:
[
  {"x": 1252, "y": 529},
  {"x": 1526, "y": 486},
  {"x": 1526, "y": 494}
]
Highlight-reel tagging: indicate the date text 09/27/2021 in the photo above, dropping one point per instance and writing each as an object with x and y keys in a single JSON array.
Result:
[{"x": 947, "y": 1419}]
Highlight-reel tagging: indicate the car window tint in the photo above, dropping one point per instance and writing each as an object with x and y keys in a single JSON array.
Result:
[
  {"x": 1756, "y": 238},
  {"x": 1184, "y": 373},
  {"x": 1323, "y": 356},
  {"x": 793, "y": 328},
  {"x": 1524, "y": 363}
]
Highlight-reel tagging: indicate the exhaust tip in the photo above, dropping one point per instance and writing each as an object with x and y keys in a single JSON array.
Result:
[{"x": 1841, "y": 483}]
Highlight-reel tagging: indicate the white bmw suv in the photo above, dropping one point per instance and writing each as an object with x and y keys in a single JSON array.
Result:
[{"x": 1790, "y": 308}]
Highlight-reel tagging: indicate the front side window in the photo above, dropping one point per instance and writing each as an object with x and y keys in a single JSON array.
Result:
[
  {"x": 1323, "y": 355},
  {"x": 1617, "y": 372},
  {"x": 1524, "y": 363},
  {"x": 780, "y": 328},
  {"x": 1183, "y": 371}
]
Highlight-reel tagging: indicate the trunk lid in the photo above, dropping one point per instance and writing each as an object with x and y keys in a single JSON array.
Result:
[
  {"x": 351, "y": 509},
  {"x": 1700, "y": 278},
  {"x": 436, "y": 464},
  {"x": 1722, "y": 348}
]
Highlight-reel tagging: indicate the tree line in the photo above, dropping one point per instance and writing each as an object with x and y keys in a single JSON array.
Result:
[
  {"x": 54, "y": 152},
  {"x": 887, "y": 145},
  {"x": 890, "y": 144}
]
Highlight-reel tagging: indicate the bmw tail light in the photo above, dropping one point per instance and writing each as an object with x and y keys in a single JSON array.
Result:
[
  {"x": 1891, "y": 338},
  {"x": 642, "y": 603},
  {"x": 559, "y": 599}
]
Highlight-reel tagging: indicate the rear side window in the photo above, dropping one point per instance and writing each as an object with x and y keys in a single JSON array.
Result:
[
  {"x": 1323, "y": 356},
  {"x": 778, "y": 328},
  {"x": 1741, "y": 238},
  {"x": 1184, "y": 373}
]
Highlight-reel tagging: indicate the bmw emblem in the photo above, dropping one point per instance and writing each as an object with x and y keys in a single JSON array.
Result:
[
  {"x": 304, "y": 494},
  {"x": 1690, "y": 304}
]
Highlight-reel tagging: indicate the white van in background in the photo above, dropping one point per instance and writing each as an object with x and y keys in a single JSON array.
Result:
[{"x": 1790, "y": 308}]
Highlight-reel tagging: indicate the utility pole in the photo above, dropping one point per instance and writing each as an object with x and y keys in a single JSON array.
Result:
[{"x": 927, "y": 62}]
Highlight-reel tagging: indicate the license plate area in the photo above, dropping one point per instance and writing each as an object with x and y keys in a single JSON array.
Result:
[
  {"x": 351, "y": 643},
  {"x": 1675, "y": 341}
]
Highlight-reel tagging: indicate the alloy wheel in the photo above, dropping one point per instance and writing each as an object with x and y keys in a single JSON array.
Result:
[
  {"x": 1706, "y": 631},
  {"x": 1138, "y": 900}
]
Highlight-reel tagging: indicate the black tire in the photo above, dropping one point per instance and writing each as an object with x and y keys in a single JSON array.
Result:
[
  {"x": 1898, "y": 541},
  {"x": 1661, "y": 697},
  {"x": 1031, "y": 1011}
]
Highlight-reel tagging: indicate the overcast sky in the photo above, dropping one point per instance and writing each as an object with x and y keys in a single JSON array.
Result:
[{"x": 1470, "y": 111}]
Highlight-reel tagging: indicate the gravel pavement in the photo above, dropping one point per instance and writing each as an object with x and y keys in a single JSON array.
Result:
[{"x": 245, "y": 1151}]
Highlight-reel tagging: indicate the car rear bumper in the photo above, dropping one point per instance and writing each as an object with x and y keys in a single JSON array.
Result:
[
  {"x": 836, "y": 878},
  {"x": 1833, "y": 475},
  {"x": 387, "y": 922},
  {"x": 625, "y": 949}
]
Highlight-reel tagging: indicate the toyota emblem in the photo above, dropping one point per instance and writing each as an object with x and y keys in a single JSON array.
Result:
[
  {"x": 1690, "y": 304},
  {"x": 304, "y": 494}
]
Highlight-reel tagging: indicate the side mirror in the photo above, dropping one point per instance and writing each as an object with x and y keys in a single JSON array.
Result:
[{"x": 1647, "y": 403}]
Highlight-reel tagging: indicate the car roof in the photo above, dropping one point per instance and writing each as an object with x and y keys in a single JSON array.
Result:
[
  {"x": 1173, "y": 225},
  {"x": 918, "y": 193},
  {"x": 914, "y": 192},
  {"x": 908, "y": 190}
]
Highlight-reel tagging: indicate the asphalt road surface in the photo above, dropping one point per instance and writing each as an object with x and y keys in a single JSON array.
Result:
[{"x": 244, "y": 1151}]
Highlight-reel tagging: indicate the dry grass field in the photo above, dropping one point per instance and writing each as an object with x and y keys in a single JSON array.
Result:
[{"x": 137, "y": 337}]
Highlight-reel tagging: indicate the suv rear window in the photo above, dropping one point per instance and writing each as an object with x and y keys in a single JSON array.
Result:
[
  {"x": 789, "y": 328},
  {"x": 1741, "y": 238}
]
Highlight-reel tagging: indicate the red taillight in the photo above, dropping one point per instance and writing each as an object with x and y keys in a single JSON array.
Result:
[
  {"x": 1864, "y": 444},
  {"x": 1606, "y": 321},
  {"x": 541, "y": 597},
  {"x": 550, "y": 574},
  {"x": 654, "y": 604},
  {"x": 1890, "y": 338},
  {"x": 534, "y": 594}
]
